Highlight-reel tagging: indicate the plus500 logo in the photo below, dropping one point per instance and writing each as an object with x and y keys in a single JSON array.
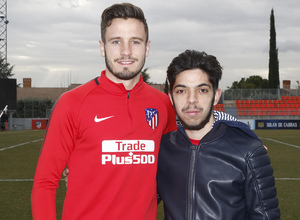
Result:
[
  {"x": 135, "y": 149},
  {"x": 134, "y": 159}
]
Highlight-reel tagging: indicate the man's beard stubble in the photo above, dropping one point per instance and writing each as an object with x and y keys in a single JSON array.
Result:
[
  {"x": 201, "y": 124},
  {"x": 125, "y": 74}
]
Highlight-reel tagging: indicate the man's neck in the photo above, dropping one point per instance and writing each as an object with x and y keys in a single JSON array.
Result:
[
  {"x": 128, "y": 84},
  {"x": 199, "y": 134}
]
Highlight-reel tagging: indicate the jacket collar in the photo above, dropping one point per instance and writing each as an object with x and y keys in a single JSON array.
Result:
[
  {"x": 117, "y": 88},
  {"x": 229, "y": 120}
]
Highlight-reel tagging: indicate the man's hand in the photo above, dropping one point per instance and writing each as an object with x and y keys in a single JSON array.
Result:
[{"x": 66, "y": 174}]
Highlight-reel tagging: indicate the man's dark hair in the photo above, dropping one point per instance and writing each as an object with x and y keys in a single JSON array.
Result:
[
  {"x": 125, "y": 11},
  {"x": 192, "y": 59}
]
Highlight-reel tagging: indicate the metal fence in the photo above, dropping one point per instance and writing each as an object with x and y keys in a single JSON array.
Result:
[{"x": 258, "y": 94}]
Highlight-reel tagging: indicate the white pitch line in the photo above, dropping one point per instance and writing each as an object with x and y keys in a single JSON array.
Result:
[
  {"x": 18, "y": 145},
  {"x": 282, "y": 142},
  {"x": 287, "y": 178},
  {"x": 18, "y": 180}
]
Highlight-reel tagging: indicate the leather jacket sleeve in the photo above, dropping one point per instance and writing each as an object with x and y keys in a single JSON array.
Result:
[{"x": 260, "y": 191}]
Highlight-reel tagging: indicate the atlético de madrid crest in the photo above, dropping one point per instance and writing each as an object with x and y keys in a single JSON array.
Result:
[{"x": 152, "y": 117}]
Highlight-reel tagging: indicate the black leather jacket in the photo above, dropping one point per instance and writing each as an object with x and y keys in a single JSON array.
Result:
[{"x": 228, "y": 176}]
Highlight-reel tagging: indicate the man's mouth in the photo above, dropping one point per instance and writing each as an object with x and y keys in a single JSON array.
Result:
[
  {"x": 126, "y": 62},
  {"x": 192, "y": 110}
]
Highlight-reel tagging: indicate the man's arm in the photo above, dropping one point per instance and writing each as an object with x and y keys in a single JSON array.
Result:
[
  {"x": 56, "y": 149},
  {"x": 260, "y": 190}
]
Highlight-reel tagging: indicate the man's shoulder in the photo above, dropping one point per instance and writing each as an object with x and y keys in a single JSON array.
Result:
[
  {"x": 75, "y": 97},
  {"x": 243, "y": 142},
  {"x": 241, "y": 132},
  {"x": 81, "y": 90}
]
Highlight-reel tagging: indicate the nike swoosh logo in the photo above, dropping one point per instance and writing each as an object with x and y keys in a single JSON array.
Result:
[{"x": 101, "y": 119}]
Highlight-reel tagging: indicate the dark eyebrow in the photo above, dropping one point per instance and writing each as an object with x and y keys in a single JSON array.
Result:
[
  {"x": 180, "y": 85},
  {"x": 204, "y": 84},
  {"x": 200, "y": 85}
]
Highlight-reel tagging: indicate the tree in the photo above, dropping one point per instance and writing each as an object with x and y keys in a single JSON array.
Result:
[
  {"x": 253, "y": 82},
  {"x": 5, "y": 69},
  {"x": 273, "y": 56},
  {"x": 33, "y": 108},
  {"x": 166, "y": 89},
  {"x": 146, "y": 76}
]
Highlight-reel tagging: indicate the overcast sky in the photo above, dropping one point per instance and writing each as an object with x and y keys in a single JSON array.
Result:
[{"x": 56, "y": 42}]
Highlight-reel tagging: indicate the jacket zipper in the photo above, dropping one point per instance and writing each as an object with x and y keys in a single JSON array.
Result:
[
  {"x": 191, "y": 183},
  {"x": 129, "y": 110}
]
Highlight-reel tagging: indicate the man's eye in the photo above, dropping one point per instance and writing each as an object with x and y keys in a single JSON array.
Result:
[
  {"x": 116, "y": 42},
  {"x": 180, "y": 91},
  {"x": 135, "y": 42},
  {"x": 203, "y": 90}
]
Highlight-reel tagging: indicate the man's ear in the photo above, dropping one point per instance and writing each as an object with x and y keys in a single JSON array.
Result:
[
  {"x": 171, "y": 98},
  {"x": 218, "y": 94},
  {"x": 148, "y": 48},
  {"x": 102, "y": 48}
]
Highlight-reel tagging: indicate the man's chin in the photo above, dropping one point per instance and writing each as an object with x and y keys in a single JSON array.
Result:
[
  {"x": 126, "y": 76},
  {"x": 194, "y": 125}
]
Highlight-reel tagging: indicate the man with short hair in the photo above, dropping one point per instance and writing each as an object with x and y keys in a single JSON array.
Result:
[
  {"x": 107, "y": 132},
  {"x": 213, "y": 166}
]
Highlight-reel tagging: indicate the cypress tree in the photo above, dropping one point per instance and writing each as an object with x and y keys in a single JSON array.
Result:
[
  {"x": 166, "y": 89},
  {"x": 273, "y": 56},
  {"x": 146, "y": 76}
]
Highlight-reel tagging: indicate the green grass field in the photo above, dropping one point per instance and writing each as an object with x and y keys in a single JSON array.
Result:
[{"x": 19, "y": 152}]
